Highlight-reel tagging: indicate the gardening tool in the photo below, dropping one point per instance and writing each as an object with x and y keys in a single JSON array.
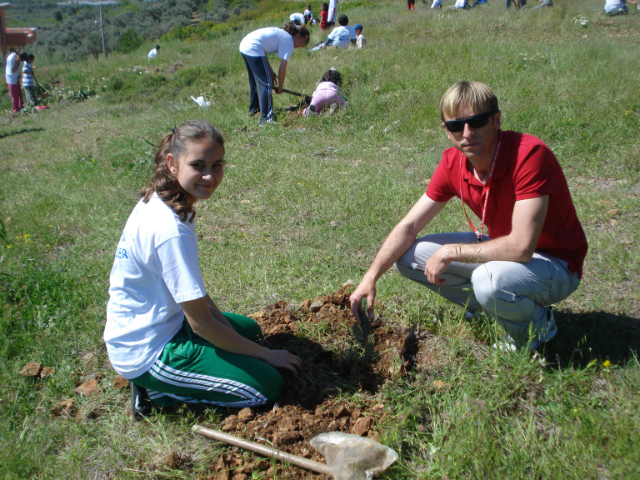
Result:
[
  {"x": 307, "y": 98},
  {"x": 42, "y": 93},
  {"x": 263, "y": 450}
]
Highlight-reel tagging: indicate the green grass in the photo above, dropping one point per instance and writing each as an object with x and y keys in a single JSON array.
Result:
[{"x": 304, "y": 206}]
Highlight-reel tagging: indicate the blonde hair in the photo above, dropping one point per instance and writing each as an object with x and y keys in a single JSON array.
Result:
[
  {"x": 163, "y": 182},
  {"x": 475, "y": 96}
]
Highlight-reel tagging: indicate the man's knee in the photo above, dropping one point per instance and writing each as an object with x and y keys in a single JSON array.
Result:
[{"x": 486, "y": 281}]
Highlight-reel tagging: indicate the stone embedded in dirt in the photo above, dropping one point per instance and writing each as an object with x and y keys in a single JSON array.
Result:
[
  {"x": 245, "y": 414},
  {"x": 356, "y": 414},
  {"x": 230, "y": 419},
  {"x": 333, "y": 426},
  {"x": 316, "y": 306},
  {"x": 289, "y": 425},
  {"x": 306, "y": 304},
  {"x": 341, "y": 411},
  {"x": 88, "y": 388},
  {"x": 240, "y": 476},
  {"x": 227, "y": 427},
  {"x": 362, "y": 426},
  {"x": 309, "y": 419},
  {"x": 46, "y": 372},
  {"x": 31, "y": 369},
  {"x": 65, "y": 409},
  {"x": 348, "y": 284},
  {"x": 120, "y": 383},
  {"x": 286, "y": 438}
]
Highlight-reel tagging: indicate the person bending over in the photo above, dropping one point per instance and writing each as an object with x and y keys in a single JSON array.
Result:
[
  {"x": 254, "y": 49},
  {"x": 164, "y": 333},
  {"x": 153, "y": 52},
  {"x": 533, "y": 253}
]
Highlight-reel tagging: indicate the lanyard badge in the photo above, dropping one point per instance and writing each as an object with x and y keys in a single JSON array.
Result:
[{"x": 485, "y": 193}]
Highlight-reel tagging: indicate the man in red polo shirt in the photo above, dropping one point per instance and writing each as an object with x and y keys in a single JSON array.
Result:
[{"x": 532, "y": 253}]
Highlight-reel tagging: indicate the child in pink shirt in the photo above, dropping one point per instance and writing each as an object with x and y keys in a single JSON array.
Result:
[{"x": 327, "y": 92}]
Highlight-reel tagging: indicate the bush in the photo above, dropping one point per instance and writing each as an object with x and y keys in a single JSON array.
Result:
[{"x": 129, "y": 41}]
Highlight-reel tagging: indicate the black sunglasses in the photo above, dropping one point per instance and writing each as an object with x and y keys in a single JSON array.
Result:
[{"x": 477, "y": 121}]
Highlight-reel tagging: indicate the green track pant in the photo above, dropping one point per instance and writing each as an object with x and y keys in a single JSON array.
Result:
[{"x": 192, "y": 370}]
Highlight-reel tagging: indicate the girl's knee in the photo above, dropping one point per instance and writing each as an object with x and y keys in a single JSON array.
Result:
[{"x": 272, "y": 384}]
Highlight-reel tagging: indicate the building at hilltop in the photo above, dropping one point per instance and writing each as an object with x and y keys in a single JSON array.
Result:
[{"x": 13, "y": 37}]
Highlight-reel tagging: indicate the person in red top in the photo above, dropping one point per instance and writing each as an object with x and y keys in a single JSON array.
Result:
[
  {"x": 532, "y": 253},
  {"x": 324, "y": 11}
]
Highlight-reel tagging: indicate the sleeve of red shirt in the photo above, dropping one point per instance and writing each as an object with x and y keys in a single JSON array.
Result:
[
  {"x": 440, "y": 187},
  {"x": 534, "y": 176}
]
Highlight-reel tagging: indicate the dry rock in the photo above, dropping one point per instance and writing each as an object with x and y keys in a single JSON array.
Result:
[
  {"x": 31, "y": 369},
  {"x": 315, "y": 306},
  {"x": 286, "y": 438},
  {"x": 341, "y": 411},
  {"x": 89, "y": 388},
  {"x": 362, "y": 426},
  {"x": 65, "y": 409},
  {"x": 245, "y": 414},
  {"x": 120, "y": 383}
]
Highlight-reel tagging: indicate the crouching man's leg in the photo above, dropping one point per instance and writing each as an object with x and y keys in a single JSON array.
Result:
[
  {"x": 458, "y": 288},
  {"x": 518, "y": 295}
]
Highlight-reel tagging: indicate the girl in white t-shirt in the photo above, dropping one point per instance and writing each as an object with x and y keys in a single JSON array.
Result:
[
  {"x": 254, "y": 49},
  {"x": 164, "y": 333}
]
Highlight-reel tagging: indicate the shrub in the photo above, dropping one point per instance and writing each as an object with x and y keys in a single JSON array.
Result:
[{"x": 129, "y": 41}]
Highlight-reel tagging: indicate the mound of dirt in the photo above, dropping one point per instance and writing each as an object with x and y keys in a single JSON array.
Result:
[{"x": 339, "y": 358}]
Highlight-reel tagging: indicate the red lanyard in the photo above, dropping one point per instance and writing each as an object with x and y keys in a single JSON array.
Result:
[{"x": 487, "y": 187}]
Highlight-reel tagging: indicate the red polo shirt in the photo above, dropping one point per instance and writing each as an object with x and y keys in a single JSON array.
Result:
[{"x": 525, "y": 168}]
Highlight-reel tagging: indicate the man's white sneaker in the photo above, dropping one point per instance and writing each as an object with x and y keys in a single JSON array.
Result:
[{"x": 507, "y": 343}]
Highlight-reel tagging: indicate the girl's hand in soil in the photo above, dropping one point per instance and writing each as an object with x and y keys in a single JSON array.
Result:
[{"x": 283, "y": 359}]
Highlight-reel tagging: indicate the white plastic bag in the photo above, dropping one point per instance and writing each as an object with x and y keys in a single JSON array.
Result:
[
  {"x": 201, "y": 101},
  {"x": 352, "y": 457}
]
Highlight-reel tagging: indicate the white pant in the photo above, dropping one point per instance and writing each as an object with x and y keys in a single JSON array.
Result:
[{"x": 516, "y": 294}]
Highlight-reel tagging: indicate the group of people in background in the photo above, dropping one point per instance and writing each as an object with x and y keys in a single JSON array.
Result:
[
  {"x": 12, "y": 76},
  {"x": 464, "y": 4},
  {"x": 611, "y": 7},
  {"x": 255, "y": 47}
]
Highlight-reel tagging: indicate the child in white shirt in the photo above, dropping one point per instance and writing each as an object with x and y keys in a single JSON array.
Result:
[{"x": 361, "y": 42}]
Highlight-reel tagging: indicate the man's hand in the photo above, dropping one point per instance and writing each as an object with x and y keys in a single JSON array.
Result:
[
  {"x": 279, "y": 90},
  {"x": 365, "y": 290},
  {"x": 283, "y": 359},
  {"x": 437, "y": 264},
  {"x": 274, "y": 77}
]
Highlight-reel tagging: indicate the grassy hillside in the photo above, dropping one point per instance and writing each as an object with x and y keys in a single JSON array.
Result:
[{"x": 304, "y": 206}]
